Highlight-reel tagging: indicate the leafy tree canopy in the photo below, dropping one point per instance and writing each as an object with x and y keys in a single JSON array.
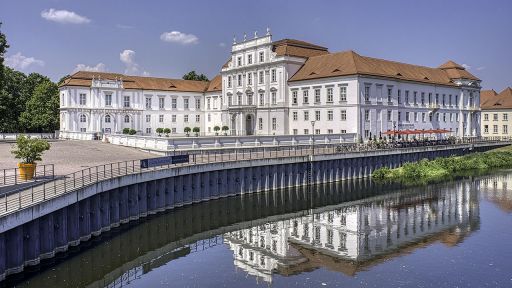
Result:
[
  {"x": 42, "y": 110},
  {"x": 192, "y": 75}
]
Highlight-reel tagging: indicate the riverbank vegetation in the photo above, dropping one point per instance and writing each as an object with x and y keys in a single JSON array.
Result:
[{"x": 428, "y": 171}]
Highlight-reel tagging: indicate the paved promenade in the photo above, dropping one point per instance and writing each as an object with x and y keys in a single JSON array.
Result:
[{"x": 71, "y": 156}]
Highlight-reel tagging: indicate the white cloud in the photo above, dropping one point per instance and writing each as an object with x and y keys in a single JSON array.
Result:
[
  {"x": 100, "y": 67},
  {"x": 64, "y": 16},
  {"x": 145, "y": 73},
  {"x": 466, "y": 66},
  {"x": 480, "y": 68},
  {"x": 222, "y": 44},
  {"x": 179, "y": 37},
  {"x": 128, "y": 58},
  {"x": 20, "y": 62}
]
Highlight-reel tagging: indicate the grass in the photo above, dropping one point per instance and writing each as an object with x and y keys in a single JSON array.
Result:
[{"x": 428, "y": 171}]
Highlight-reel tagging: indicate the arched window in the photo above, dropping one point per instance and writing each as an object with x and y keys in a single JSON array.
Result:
[
  {"x": 127, "y": 119},
  {"x": 83, "y": 118},
  {"x": 107, "y": 119}
]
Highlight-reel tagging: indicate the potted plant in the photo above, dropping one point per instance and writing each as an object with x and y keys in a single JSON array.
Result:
[
  {"x": 132, "y": 132},
  {"x": 225, "y": 129},
  {"x": 29, "y": 150},
  {"x": 167, "y": 131},
  {"x": 187, "y": 130},
  {"x": 196, "y": 130},
  {"x": 126, "y": 130},
  {"x": 159, "y": 131},
  {"x": 216, "y": 129}
]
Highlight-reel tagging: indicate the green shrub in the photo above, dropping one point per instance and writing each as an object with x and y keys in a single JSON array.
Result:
[
  {"x": 29, "y": 149},
  {"x": 126, "y": 130},
  {"x": 159, "y": 131},
  {"x": 132, "y": 132},
  {"x": 167, "y": 131}
]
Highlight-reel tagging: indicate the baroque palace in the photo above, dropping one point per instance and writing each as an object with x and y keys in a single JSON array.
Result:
[{"x": 285, "y": 87}]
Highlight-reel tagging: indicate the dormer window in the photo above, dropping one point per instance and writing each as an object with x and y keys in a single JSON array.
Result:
[
  {"x": 249, "y": 59},
  {"x": 239, "y": 61}
]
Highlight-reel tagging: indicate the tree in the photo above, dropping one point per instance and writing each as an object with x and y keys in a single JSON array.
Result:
[
  {"x": 167, "y": 131},
  {"x": 225, "y": 129},
  {"x": 10, "y": 105},
  {"x": 216, "y": 129},
  {"x": 192, "y": 75},
  {"x": 159, "y": 131},
  {"x": 187, "y": 130},
  {"x": 3, "y": 49},
  {"x": 42, "y": 110},
  {"x": 126, "y": 130},
  {"x": 196, "y": 130}
]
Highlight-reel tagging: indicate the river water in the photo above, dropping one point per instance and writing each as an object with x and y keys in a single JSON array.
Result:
[{"x": 348, "y": 234}]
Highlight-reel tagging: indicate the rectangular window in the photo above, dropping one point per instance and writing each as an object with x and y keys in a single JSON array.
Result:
[
  {"x": 306, "y": 131},
  {"x": 505, "y": 117},
  {"x": 367, "y": 115},
  {"x": 429, "y": 98},
  {"x": 486, "y": 129},
  {"x": 343, "y": 115},
  {"x": 390, "y": 93},
  {"x": 367, "y": 93},
  {"x": 423, "y": 98},
  {"x": 82, "y": 99},
  {"x": 198, "y": 104},
  {"x": 209, "y": 117},
  {"x": 108, "y": 99},
  {"x": 174, "y": 103},
  {"x": 295, "y": 115},
  {"x": 239, "y": 81},
  {"x": 249, "y": 99},
  {"x": 437, "y": 99},
  {"x": 148, "y": 103},
  {"x": 161, "y": 103},
  {"x": 249, "y": 59},
  {"x": 505, "y": 129},
  {"x": 262, "y": 56},
  {"x": 317, "y": 95},
  {"x": 390, "y": 115},
  {"x": 260, "y": 123},
  {"x": 173, "y": 118},
  {"x": 294, "y": 97},
  {"x": 148, "y": 130},
  {"x": 415, "y": 98},
  {"x": 229, "y": 81},
  {"x": 126, "y": 101},
  {"x": 343, "y": 131},
  {"x": 305, "y": 96},
  {"x": 295, "y": 131},
  {"x": 407, "y": 116},
  {"x": 239, "y": 61},
  {"x": 423, "y": 115},
  {"x": 239, "y": 102},
  {"x": 399, "y": 116},
  {"x": 330, "y": 131},
  {"x": 185, "y": 103},
  {"x": 444, "y": 97},
  {"x": 330, "y": 95},
  {"x": 330, "y": 115},
  {"x": 161, "y": 118},
  {"x": 198, "y": 118},
  {"x": 486, "y": 117},
  {"x": 317, "y": 115},
  {"x": 273, "y": 75},
  {"x": 343, "y": 93},
  {"x": 495, "y": 129},
  {"x": 450, "y": 99},
  {"x": 173, "y": 130},
  {"x": 495, "y": 117},
  {"x": 208, "y": 103},
  {"x": 456, "y": 100},
  {"x": 262, "y": 99},
  {"x": 274, "y": 98},
  {"x": 317, "y": 131},
  {"x": 274, "y": 123},
  {"x": 261, "y": 77},
  {"x": 399, "y": 96},
  {"x": 406, "y": 98},
  {"x": 148, "y": 118},
  {"x": 444, "y": 117},
  {"x": 306, "y": 115},
  {"x": 185, "y": 118},
  {"x": 249, "y": 78}
]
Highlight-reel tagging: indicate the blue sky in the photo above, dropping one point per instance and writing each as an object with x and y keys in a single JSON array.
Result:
[{"x": 56, "y": 37}]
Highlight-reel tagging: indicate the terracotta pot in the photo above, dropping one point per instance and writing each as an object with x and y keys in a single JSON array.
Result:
[{"x": 26, "y": 170}]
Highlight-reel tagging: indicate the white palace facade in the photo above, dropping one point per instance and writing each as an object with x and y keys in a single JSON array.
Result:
[{"x": 280, "y": 87}]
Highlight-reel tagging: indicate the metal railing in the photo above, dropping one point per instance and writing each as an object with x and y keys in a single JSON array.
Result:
[
  {"x": 11, "y": 176},
  {"x": 19, "y": 199}
]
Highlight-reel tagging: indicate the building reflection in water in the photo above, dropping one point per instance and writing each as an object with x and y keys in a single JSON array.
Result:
[
  {"x": 495, "y": 189},
  {"x": 351, "y": 237}
]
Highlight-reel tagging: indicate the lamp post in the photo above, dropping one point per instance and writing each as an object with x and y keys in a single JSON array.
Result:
[{"x": 313, "y": 132}]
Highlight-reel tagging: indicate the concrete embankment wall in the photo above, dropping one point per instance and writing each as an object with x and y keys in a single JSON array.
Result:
[{"x": 42, "y": 230}]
